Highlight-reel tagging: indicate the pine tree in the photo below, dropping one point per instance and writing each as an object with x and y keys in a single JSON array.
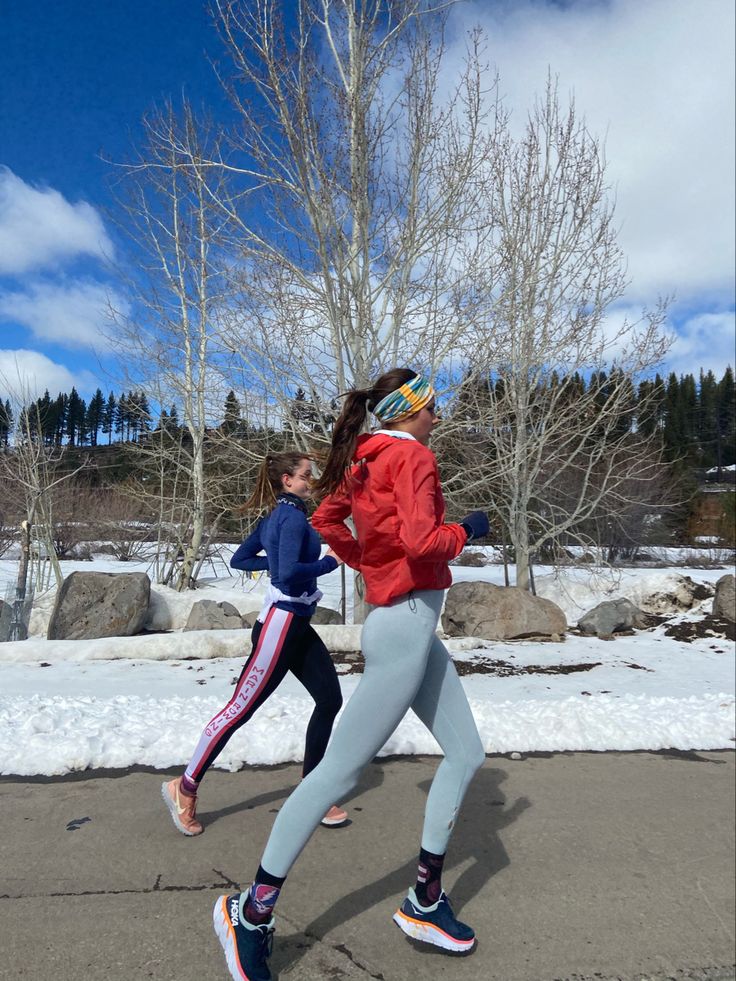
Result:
[
  {"x": 95, "y": 411},
  {"x": 232, "y": 421},
  {"x": 45, "y": 418},
  {"x": 625, "y": 420},
  {"x": 122, "y": 418},
  {"x": 140, "y": 414},
  {"x": 689, "y": 402},
  {"x": 133, "y": 417},
  {"x": 726, "y": 418},
  {"x": 75, "y": 416},
  {"x": 145, "y": 412},
  {"x": 59, "y": 409},
  {"x": 109, "y": 416},
  {"x": 646, "y": 412},
  {"x": 26, "y": 424},
  {"x": 707, "y": 420},
  {"x": 6, "y": 422}
]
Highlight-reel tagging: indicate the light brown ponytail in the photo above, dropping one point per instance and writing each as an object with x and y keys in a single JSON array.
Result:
[{"x": 268, "y": 480}]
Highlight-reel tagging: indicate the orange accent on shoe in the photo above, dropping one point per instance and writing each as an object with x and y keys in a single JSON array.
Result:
[
  {"x": 335, "y": 817},
  {"x": 433, "y": 926},
  {"x": 182, "y": 808}
]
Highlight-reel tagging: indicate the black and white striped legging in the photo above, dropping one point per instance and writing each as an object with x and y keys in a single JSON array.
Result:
[{"x": 285, "y": 642}]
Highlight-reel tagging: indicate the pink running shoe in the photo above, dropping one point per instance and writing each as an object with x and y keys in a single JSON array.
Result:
[
  {"x": 334, "y": 818},
  {"x": 182, "y": 808}
]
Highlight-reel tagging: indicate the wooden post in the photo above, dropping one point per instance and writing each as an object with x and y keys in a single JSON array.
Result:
[
  {"x": 17, "y": 627},
  {"x": 360, "y": 608}
]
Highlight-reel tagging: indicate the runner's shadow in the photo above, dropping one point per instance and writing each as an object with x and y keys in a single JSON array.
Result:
[
  {"x": 211, "y": 817},
  {"x": 476, "y": 839},
  {"x": 372, "y": 778}
]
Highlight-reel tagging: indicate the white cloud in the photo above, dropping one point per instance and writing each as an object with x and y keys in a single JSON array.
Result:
[
  {"x": 705, "y": 340},
  {"x": 25, "y": 375},
  {"x": 40, "y": 228},
  {"x": 72, "y": 315},
  {"x": 656, "y": 81}
]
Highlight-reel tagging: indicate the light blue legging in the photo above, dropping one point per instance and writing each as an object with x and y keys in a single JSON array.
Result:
[{"x": 406, "y": 666}]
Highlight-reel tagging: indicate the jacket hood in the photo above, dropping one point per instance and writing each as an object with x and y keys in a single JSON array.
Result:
[{"x": 370, "y": 445}]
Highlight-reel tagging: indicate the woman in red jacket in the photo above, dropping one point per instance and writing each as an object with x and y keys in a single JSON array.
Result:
[{"x": 388, "y": 482}]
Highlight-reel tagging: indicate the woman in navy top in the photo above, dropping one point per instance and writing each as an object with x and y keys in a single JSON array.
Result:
[{"x": 283, "y": 638}]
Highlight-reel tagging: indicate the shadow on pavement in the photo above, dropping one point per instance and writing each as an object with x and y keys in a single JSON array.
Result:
[
  {"x": 371, "y": 779},
  {"x": 476, "y": 839}
]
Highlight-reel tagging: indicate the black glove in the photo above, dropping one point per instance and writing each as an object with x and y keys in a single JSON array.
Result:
[{"x": 475, "y": 524}]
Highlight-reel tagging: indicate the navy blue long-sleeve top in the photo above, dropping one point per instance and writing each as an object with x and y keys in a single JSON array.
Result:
[{"x": 292, "y": 550}]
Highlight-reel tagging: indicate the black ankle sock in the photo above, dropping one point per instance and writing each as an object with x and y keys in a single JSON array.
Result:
[
  {"x": 261, "y": 897},
  {"x": 429, "y": 877}
]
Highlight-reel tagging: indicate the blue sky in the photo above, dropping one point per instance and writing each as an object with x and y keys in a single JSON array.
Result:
[
  {"x": 76, "y": 79},
  {"x": 656, "y": 79}
]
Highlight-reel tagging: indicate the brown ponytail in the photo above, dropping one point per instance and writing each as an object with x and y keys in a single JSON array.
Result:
[
  {"x": 348, "y": 427},
  {"x": 268, "y": 481}
]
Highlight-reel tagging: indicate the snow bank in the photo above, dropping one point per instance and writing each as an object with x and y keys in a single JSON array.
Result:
[
  {"x": 59, "y": 734},
  {"x": 203, "y": 645}
]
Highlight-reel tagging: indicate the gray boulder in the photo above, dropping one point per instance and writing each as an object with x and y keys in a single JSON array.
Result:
[
  {"x": 611, "y": 617},
  {"x": 210, "y": 615},
  {"x": 249, "y": 619},
  {"x": 724, "y": 602},
  {"x": 470, "y": 559},
  {"x": 321, "y": 615},
  {"x": 481, "y": 609},
  {"x": 324, "y": 614},
  {"x": 100, "y": 604}
]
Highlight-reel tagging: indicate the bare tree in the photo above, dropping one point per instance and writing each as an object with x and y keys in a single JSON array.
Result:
[
  {"x": 360, "y": 226},
  {"x": 35, "y": 472},
  {"x": 362, "y": 214},
  {"x": 546, "y": 451},
  {"x": 168, "y": 340}
]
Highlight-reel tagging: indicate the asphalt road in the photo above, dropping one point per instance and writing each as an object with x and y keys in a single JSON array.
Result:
[{"x": 570, "y": 866}]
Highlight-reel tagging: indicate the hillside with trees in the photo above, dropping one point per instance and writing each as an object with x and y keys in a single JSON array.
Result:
[{"x": 110, "y": 470}]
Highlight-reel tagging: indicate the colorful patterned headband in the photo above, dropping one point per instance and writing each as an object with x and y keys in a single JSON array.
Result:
[{"x": 405, "y": 401}]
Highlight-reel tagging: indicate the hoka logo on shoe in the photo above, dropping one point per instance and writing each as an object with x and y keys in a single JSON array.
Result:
[{"x": 234, "y": 911}]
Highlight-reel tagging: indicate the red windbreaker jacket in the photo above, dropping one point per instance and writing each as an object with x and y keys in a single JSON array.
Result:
[{"x": 393, "y": 493}]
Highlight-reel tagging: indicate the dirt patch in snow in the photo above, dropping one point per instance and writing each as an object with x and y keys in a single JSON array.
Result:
[
  {"x": 705, "y": 628},
  {"x": 502, "y": 669}
]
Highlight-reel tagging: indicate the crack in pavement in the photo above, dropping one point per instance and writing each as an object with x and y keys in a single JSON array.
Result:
[
  {"x": 348, "y": 953},
  {"x": 225, "y": 883}
]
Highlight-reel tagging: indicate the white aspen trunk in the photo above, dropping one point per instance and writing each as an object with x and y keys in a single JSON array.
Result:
[{"x": 17, "y": 627}]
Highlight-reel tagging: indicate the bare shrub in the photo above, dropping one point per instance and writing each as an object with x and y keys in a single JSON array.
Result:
[
  {"x": 123, "y": 524},
  {"x": 8, "y": 522},
  {"x": 706, "y": 558}
]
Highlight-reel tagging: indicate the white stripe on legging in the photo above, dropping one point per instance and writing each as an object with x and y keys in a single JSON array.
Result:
[{"x": 263, "y": 661}]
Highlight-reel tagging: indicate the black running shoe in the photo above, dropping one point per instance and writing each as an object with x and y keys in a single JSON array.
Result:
[
  {"x": 435, "y": 925},
  {"x": 246, "y": 946}
]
